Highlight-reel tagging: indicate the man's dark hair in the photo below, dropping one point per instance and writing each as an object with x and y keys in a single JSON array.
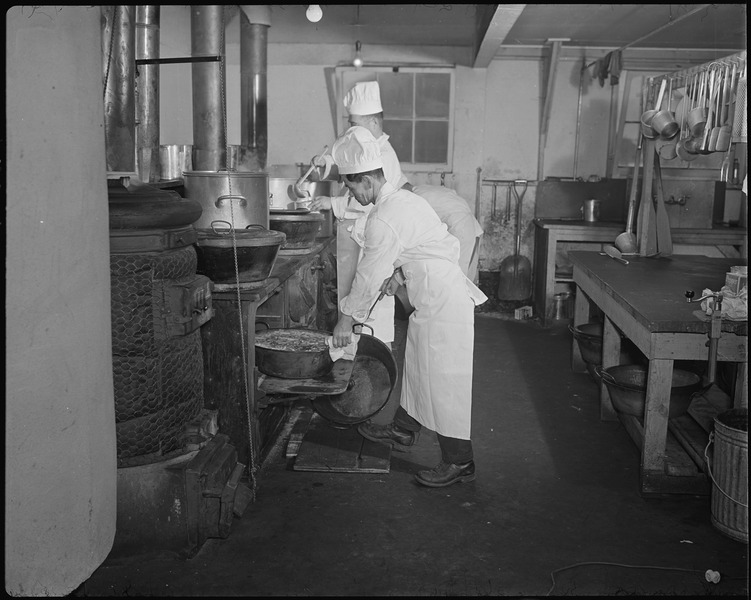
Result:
[{"x": 358, "y": 177}]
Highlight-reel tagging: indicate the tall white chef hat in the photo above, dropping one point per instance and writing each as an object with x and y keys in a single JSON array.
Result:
[
  {"x": 356, "y": 151},
  {"x": 364, "y": 99}
]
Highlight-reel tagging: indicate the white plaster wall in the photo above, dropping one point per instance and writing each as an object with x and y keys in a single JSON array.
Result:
[{"x": 60, "y": 455}]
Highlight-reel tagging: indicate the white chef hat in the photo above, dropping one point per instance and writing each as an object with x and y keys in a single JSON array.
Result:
[
  {"x": 364, "y": 99},
  {"x": 357, "y": 151}
]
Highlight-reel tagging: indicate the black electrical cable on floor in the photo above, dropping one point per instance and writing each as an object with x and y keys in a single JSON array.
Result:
[{"x": 610, "y": 564}]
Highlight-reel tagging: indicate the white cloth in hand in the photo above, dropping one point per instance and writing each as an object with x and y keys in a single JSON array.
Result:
[{"x": 347, "y": 352}]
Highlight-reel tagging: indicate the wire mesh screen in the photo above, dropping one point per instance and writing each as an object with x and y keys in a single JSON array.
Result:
[{"x": 158, "y": 380}]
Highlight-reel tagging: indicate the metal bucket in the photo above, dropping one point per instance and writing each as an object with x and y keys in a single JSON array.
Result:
[
  {"x": 174, "y": 160},
  {"x": 238, "y": 197},
  {"x": 729, "y": 473}
]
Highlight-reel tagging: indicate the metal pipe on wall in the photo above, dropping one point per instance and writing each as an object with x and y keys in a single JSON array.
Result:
[
  {"x": 254, "y": 25},
  {"x": 118, "y": 41},
  {"x": 147, "y": 94},
  {"x": 209, "y": 137}
]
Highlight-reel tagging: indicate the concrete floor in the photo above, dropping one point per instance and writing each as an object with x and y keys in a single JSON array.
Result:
[{"x": 555, "y": 509}]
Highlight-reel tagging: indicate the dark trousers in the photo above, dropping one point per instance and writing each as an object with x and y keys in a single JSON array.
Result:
[{"x": 453, "y": 450}]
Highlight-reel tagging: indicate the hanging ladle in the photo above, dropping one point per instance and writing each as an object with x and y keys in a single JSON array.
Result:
[{"x": 297, "y": 187}]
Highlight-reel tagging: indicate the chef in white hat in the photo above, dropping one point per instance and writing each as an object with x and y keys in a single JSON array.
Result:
[
  {"x": 363, "y": 103},
  {"x": 403, "y": 232}
]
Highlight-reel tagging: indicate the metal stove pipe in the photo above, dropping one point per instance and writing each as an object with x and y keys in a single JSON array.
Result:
[
  {"x": 118, "y": 40},
  {"x": 206, "y": 38},
  {"x": 255, "y": 21},
  {"x": 147, "y": 94}
]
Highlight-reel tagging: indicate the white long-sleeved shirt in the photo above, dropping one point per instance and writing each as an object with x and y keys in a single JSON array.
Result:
[{"x": 401, "y": 227}]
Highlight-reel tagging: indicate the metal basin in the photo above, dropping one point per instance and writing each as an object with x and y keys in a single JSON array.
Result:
[
  {"x": 373, "y": 379},
  {"x": 627, "y": 386}
]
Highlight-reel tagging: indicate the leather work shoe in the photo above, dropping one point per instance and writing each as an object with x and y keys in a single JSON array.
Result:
[
  {"x": 446, "y": 474},
  {"x": 399, "y": 438}
]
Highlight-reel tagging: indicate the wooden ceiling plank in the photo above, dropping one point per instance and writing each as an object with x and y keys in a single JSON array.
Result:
[{"x": 500, "y": 24}]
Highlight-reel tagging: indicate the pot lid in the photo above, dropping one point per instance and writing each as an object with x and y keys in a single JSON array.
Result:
[
  {"x": 253, "y": 235},
  {"x": 308, "y": 216}
]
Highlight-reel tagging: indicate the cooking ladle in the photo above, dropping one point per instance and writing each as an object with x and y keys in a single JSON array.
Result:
[
  {"x": 297, "y": 187},
  {"x": 626, "y": 242}
]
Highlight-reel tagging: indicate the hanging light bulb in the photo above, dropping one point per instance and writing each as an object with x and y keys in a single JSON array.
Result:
[
  {"x": 357, "y": 62},
  {"x": 314, "y": 13}
]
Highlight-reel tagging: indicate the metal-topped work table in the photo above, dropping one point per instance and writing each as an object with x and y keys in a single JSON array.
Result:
[
  {"x": 550, "y": 232},
  {"x": 645, "y": 301}
]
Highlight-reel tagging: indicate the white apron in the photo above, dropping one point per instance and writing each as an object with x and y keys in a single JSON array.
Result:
[
  {"x": 347, "y": 256},
  {"x": 437, "y": 384}
]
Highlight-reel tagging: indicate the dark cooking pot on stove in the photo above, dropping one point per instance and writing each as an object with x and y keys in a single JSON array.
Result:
[
  {"x": 256, "y": 246},
  {"x": 293, "y": 353}
]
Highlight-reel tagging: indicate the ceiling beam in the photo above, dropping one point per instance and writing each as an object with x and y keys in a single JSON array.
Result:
[{"x": 492, "y": 31}]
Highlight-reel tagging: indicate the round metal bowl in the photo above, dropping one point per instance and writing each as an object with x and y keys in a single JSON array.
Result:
[
  {"x": 373, "y": 378},
  {"x": 300, "y": 229},
  {"x": 257, "y": 249},
  {"x": 627, "y": 386},
  {"x": 293, "y": 353}
]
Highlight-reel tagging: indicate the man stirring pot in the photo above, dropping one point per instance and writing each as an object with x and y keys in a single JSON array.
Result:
[{"x": 403, "y": 231}]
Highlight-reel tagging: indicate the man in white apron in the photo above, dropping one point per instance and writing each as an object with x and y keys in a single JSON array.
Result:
[
  {"x": 363, "y": 103},
  {"x": 453, "y": 210},
  {"x": 403, "y": 231}
]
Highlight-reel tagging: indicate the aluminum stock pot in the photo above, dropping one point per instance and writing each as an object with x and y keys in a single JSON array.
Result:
[{"x": 240, "y": 198}]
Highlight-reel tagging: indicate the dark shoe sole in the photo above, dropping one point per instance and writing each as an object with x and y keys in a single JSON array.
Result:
[
  {"x": 461, "y": 479},
  {"x": 394, "y": 444}
]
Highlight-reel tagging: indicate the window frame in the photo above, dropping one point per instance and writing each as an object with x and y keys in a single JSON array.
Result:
[{"x": 342, "y": 116}]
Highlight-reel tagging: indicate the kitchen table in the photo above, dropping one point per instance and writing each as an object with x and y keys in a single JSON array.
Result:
[{"x": 645, "y": 302}]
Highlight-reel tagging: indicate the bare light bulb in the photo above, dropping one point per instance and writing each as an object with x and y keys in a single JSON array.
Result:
[
  {"x": 357, "y": 62},
  {"x": 314, "y": 13}
]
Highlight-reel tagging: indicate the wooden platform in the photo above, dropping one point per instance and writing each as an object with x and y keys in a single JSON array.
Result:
[{"x": 316, "y": 445}]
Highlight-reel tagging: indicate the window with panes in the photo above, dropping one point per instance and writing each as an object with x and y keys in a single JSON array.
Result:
[{"x": 418, "y": 108}]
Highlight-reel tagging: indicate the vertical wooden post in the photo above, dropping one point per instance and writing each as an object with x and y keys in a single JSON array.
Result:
[{"x": 554, "y": 53}]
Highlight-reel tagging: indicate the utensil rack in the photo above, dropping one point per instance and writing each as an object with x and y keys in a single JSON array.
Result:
[{"x": 678, "y": 79}]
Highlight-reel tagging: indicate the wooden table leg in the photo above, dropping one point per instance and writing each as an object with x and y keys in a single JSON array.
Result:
[
  {"x": 659, "y": 382},
  {"x": 611, "y": 354},
  {"x": 740, "y": 399},
  {"x": 582, "y": 306}
]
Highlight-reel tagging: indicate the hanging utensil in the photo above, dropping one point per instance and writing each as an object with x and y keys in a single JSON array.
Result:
[
  {"x": 516, "y": 270},
  {"x": 662, "y": 223},
  {"x": 664, "y": 121},
  {"x": 507, "y": 216},
  {"x": 297, "y": 187},
  {"x": 704, "y": 148},
  {"x": 682, "y": 148},
  {"x": 647, "y": 115},
  {"x": 726, "y": 129},
  {"x": 626, "y": 242},
  {"x": 697, "y": 118},
  {"x": 715, "y": 133}
]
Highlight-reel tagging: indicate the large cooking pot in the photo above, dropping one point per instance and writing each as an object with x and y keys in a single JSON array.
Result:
[
  {"x": 373, "y": 378},
  {"x": 238, "y": 197},
  {"x": 282, "y": 194},
  {"x": 293, "y": 353},
  {"x": 257, "y": 249}
]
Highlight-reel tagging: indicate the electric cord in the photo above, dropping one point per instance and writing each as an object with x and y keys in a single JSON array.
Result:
[{"x": 710, "y": 575}]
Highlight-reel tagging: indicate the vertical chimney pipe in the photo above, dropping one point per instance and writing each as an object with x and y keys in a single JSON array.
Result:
[
  {"x": 209, "y": 138},
  {"x": 118, "y": 41},
  {"x": 147, "y": 94},
  {"x": 255, "y": 21}
]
